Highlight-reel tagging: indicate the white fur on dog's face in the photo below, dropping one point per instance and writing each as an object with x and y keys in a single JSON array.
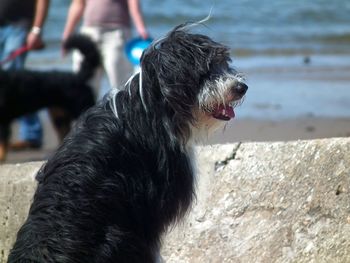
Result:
[
  {"x": 219, "y": 91},
  {"x": 218, "y": 95}
]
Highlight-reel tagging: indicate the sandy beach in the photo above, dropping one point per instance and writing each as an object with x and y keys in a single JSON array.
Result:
[{"x": 235, "y": 131}]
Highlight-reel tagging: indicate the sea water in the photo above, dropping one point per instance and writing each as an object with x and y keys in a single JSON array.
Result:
[{"x": 295, "y": 54}]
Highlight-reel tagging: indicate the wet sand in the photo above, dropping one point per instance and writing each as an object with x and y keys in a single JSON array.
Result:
[
  {"x": 235, "y": 131},
  {"x": 284, "y": 130}
]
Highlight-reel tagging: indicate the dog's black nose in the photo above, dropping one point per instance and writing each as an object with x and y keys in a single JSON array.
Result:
[{"x": 241, "y": 89}]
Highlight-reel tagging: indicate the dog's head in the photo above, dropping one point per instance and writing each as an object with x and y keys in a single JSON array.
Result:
[{"x": 187, "y": 79}]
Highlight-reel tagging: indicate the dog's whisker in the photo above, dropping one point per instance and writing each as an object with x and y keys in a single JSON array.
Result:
[
  {"x": 128, "y": 82},
  {"x": 240, "y": 101},
  {"x": 114, "y": 93},
  {"x": 141, "y": 91},
  {"x": 127, "y": 86},
  {"x": 187, "y": 26},
  {"x": 200, "y": 22}
]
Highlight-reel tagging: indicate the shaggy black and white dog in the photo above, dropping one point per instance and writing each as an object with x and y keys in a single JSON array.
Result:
[
  {"x": 124, "y": 174},
  {"x": 66, "y": 94}
]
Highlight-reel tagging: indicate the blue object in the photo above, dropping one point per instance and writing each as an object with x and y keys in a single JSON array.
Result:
[
  {"x": 30, "y": 129},
  {"x": 134, "y": 49}
]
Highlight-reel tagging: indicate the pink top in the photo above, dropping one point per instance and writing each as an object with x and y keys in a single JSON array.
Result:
[{"x": 106, "y": 13}]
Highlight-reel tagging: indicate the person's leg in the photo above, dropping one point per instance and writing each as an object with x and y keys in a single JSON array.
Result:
[
  {"x": 4, "y": 138},
  {"x": 30, "y": 128},
  {"x": 30, "y": 132},
  {"x": 116, "y": 64},
  {"x": 4, "y": 128}
]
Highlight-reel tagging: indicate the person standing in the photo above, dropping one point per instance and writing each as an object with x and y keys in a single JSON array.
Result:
[
  {"x": 108, "y": 23},
  {"x": 21, "y": 22}
]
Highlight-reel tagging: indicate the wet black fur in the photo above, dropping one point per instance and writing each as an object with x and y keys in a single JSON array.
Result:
[
  {"x": 26, "y": 91},
  {"x": 117, "y": 183}
]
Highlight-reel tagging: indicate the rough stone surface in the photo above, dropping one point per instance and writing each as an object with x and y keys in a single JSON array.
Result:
[
  {"x": 17, "y": 186},
  {"x": 270, "y": 202},
  {"x": 256, "y": 202}
]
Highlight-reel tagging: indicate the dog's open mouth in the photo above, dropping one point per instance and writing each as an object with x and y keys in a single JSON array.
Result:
[{"x": 224, "y": 112}]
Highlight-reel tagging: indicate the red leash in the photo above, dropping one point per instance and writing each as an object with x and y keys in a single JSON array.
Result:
[{"x": 14, "y": 54}]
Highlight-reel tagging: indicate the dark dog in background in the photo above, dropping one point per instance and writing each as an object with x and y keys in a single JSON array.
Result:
[
  {"x": 124, "y": 174},
  {"x": 65, "y": 94}
]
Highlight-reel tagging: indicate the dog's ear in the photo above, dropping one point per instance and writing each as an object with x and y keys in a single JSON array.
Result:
[{"x": 172, "y": 79}]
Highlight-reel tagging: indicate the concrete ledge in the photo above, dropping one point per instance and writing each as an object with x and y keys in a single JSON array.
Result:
[
  {"x": 257, "y": 202},
  {"x": 17, "y": 186}
]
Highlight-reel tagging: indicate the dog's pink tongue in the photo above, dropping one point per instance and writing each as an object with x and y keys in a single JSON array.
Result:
[
  {"x": 229, "y": 111},
  {"x": 224, "y": 112}
]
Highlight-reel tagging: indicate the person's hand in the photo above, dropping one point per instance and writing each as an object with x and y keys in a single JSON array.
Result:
[
  {"x": 143, "y": 33},
  {"x": 65, "y": 36},
  {"x": 63, "y": 50},
  {"x": 34, "y": 41}
]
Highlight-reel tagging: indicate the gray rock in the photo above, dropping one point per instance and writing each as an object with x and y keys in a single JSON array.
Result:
[
  {"x": 270, "y": 202},
  {"x": 17, "y": 186},
  {"x": 256, "y": 202}
]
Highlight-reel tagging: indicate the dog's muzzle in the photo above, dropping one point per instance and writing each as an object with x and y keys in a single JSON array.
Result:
[{"x": 226, "y": 112}]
